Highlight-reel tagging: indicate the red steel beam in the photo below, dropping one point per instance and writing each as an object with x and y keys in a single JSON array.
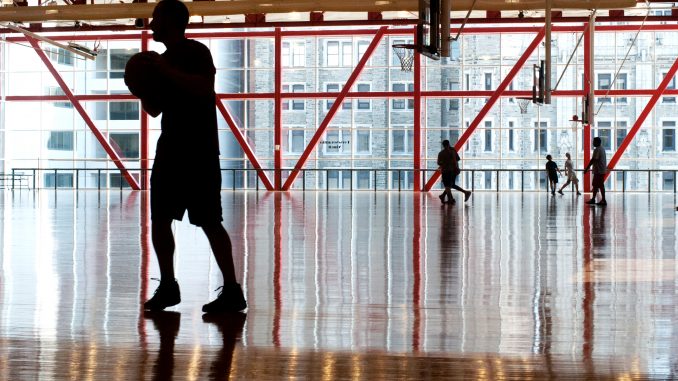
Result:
[
  {"x": 490, "y": 102},
  {"x": 244, "y": 144},
  {"x": 587, "y": 87},
  {"x": 335, "y": 107},
  {"x": 100, "y": 137},
  {"x": 277, "y": 122},
  {"x": 417, "y": 119},
  {"x": 643, "y": 115}
]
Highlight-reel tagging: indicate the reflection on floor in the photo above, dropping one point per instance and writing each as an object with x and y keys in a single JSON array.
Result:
[{"x": 345, "y": 285}]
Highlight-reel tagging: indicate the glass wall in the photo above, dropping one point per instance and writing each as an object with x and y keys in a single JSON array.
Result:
[{"x": 369, "y": 143}]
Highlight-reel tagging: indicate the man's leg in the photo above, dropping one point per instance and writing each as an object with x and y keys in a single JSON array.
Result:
[
  {"x": 163, "y": 243},
  {"x": 167, "y": 294},
  {"x": 231, "y": 298},
  {"x": 467, "y": 194},
  {"x": 220, "y": 243}
]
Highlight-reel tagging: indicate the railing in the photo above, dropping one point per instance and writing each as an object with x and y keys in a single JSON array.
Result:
[{"x": 623, "y": 180}]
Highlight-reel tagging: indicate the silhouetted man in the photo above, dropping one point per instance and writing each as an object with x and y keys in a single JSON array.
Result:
[
  {"x": 186, "y": 172},
  {"x": 448, "y": 163},
  {"x": 599, "y": 163}
]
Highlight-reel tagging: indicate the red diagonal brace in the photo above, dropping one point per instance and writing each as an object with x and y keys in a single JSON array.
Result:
[
  {"x": 244, "y": 144},
  {"x": 76, "y": 104},
  {"x": 490, "y": 102},
  {"x": 335, "y": 107},
  {"x": 643, "y": 115}
]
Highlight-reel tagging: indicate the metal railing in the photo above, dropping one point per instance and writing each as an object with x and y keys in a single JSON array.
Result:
[{"x": 622, "y": 180}]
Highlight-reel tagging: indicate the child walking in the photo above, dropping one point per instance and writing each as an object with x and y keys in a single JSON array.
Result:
[
  {"x": 570, "y": 175},
  {"x": 552, "y": 171}
]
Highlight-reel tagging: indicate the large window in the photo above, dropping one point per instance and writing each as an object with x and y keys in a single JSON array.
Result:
[
  {"x": 671, "y": 86},
  {"x": 339, "y": 53},
  {"x": 402, "y": 140},
  {"x": 541, "y": 137},
  {"x": 363, "y": 140},
  {"x": 604, "y": 83},
  {"x": 488, "y": 136},
  {"x": 58, "y": 180},
  {"x": 337, "y": 141},
  {"x": 60, "y": 141},
  {"x": 335, "y": 88},
  {"x": 364, "y": 104},
  {"x": 295, "y": 142},
  {"x": 123, "y": 110},
  {"x": 621, "y": 132},
  {"x": 604, "y": 132},
  {"x": 669, "y": 136},
  {"x": 402, "y": 104},
  {"x": 119, "y": 58},
  {"x": 294, "y": 53},
  {"x": 297, "y": 104},
  {"x": 125, "y": 144},
  {"x": 60, "y": 56},
  {"x": 56, "y": 90}
]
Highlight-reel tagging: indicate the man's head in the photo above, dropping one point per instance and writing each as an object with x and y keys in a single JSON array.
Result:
[
  {"x": 567, "y": 155},
  {"x": 597, "y": 141},
  {"x": 170, "y": 18},
  {"x": 549, "y": 157},
  {"x": 446, "y": 143}
]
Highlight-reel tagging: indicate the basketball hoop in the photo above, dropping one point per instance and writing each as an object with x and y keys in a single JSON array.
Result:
[
  {"x": 405, "y": 53},
  {"x": 523, "y": 103}
]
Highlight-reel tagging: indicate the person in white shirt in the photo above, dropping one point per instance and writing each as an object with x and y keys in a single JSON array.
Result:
[{"x": 570, "y": 175}]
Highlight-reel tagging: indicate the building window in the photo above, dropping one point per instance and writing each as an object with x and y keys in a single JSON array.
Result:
[
  {"x": 669, "y": 136},
  {"x": 338, "y": 179},
  {"x": 123, "y": 110},
  {"x": 337, "y": 141},
  {"x": 604, "y": 132},
  {"x": 125, "y": 144},
  {"x": 510, "y": 87},
  {"x": 488, "y": 81},
  {"x": 294, "y": 53},
  {"x": 363, "y": 140},
  {"x": 63, "y": 180},
  {"x": 621, "y": 132},
  {"x": 510, "y": 136},
  {"x": 119, "y": 58},
  {"x": 488, "y": 136},
  {"x": 467, "y": 85},
  {"x": 604, "y": 81},
  {"x": 364, "y": 104},
  {"x": 363, "y": 179},
  {"x": 60, "y": 56},
  {"x": 339, "y": 53},
  {"x": 541, "y": 137},
  {"x": 402, "y": 141},
  {"x": 670, "y": 86},
  {"x": 295, "y": 142},
  {"x": 60, "y": 141},
  {"x": 335, "y": 88},
  {"x": 453, "y": 103},
  {"x": 668, "y": 178},
  {"x": 621, "y": 84},
  {"x": 57, "y": 91},
  {"x": 402, "y": 104},
  {"x": 297, "y": 104}
]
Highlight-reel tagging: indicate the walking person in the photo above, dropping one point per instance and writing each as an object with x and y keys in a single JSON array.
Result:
[
  {"x": 188, "y": 144},
  {"x": 552, "y": 171},
  {"x": 570, "y": 175},
  {"x": 448, "y": 164},
  {"x": 599, "y": 163}
]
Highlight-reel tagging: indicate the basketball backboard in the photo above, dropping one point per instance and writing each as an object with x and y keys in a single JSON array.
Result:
[{"x": 428, "y": 28}]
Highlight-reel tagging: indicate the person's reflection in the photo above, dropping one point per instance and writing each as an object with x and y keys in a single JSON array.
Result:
[
  {"x": 230, "y": 325},
  {"x": 450, "y": 250},
  {"x": 167, "y": 325},
  {"x": 598, "y": 232}
]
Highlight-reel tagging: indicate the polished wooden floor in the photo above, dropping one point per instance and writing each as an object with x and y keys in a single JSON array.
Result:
[{"x": 374, "y": 286}]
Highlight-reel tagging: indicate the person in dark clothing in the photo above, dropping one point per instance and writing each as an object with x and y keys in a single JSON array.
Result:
[
  {"x": 448, "y": 164},
  {"x": 188, "y": 143},
  {"x": 599, "y": 163},
  {"x": 553, "y": 171}
]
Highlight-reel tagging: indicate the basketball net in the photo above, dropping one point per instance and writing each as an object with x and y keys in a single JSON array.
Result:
[
  {"x": 405, "y": 55},
  {"x": 523, "y": 103}
]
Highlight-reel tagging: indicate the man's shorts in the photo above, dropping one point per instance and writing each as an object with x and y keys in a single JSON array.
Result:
[
  {"x": 598, "y": 181},
  {"x": 448, "y": 179},
  {"x": 196, "y": 189}
]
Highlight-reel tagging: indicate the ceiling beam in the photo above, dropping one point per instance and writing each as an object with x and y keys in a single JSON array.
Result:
[{"x": 239, "y": 7}]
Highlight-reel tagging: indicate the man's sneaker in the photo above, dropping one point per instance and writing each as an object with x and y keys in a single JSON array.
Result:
[
  {"x": 591, "y": 201},
  {"x": 452, "y": 201},
  {"x": 467, "y": 195},
  {"x": 560, "y": 191},
  {"x": 602, "y": 203},
  {"x": 442, "y": 198},
  {"x": 166, "y": 295},
  {"x": 578, "y": 193},
  {"x": 553, "y": 193},
  {"x": 230, "y": 299}
]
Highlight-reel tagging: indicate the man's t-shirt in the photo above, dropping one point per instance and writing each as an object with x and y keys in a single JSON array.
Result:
[
  {"x": 551, "y": 168},
  {"x": 448, "y": 159},
  {"x": 189, "y": 122},
  {"x": 600, "y": 163}
]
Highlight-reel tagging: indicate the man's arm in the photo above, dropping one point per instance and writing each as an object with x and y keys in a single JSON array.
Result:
[{"x": 593, "y": 160}]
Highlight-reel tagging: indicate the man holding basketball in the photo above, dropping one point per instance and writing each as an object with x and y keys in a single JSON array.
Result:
[{"x": 188, "y": 144}]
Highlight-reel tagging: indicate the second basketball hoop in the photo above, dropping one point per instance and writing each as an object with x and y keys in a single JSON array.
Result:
[{"x": 405, "y": 53}]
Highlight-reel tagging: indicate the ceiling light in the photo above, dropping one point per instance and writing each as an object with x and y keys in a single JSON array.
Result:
[{"x": 382, "y": 2}]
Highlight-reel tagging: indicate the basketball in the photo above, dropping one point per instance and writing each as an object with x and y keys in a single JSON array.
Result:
[{"x": 141, "y": 74}]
